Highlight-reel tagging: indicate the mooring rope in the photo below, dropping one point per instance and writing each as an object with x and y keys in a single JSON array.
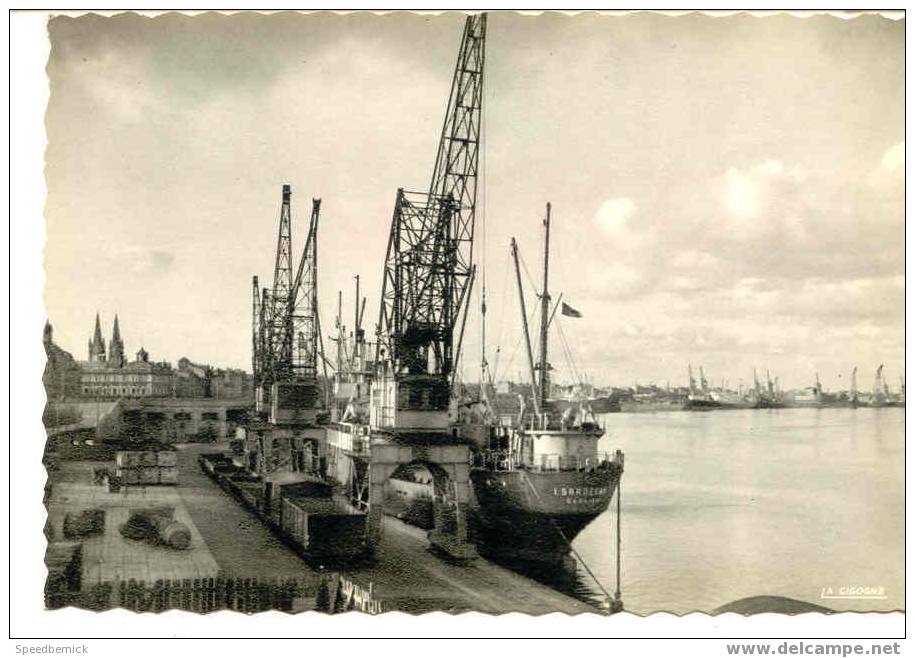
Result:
[{"x": 569, "y": 544}]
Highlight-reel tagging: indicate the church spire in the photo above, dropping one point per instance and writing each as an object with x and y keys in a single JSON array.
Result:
[
  {"x": 116, "y": 346},
  {"x": 97, "y": 337},
  {"x": 97, "y": 344}
]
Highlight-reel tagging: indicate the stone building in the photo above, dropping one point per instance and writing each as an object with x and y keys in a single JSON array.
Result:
[
  {"x": 193, "y": 380},
  {"x": 107, "y": 374},
  {"x": 61, "y": 373}
]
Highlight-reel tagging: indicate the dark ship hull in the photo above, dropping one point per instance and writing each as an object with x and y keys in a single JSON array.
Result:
[
  {"x": 701, "y": 404},
  {"x": 534, "y": 516},
  {"x": 601, "y": 405}
]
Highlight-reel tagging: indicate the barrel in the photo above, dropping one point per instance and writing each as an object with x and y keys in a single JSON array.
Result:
[{"x": 173, "y": 533}]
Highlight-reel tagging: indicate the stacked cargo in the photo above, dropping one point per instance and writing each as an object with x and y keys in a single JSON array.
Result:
[{"x": 147, "y": 467}]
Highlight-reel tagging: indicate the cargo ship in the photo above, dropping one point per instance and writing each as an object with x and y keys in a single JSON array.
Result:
[
  {"x": 699, "y": 398},
  {"x": 539, "y": 478},
  {"x": 598, "y": 404},
  {"x": 538, "y": 486}
]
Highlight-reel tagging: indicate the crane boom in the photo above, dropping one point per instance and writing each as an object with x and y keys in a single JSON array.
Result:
[
  {"x": 281, "y": 331},
  {"x": 303, "y": 305},
  {"x": 255, "y": 329},
  {"x": 429, "y": 258}
]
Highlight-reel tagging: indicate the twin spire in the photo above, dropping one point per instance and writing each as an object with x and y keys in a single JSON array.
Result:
[{"x": 115, "y": 352}]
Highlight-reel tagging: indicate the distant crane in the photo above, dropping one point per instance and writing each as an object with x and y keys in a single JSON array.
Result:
[
  {"x": 880, "y": 388},
  {"x": 853, "y": 393}
]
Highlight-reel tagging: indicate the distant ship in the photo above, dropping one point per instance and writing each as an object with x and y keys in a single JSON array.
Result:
[
  {"x": 699, "y": 398},
  {"x": 598, "y": 404},
  {"x": 637, "y": 405}
]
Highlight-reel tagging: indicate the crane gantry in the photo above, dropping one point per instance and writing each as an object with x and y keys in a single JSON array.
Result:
[{"x": 429, "y": 269}]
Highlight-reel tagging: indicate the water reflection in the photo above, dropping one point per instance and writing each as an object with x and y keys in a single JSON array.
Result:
[{"x": 568, "y": 579}]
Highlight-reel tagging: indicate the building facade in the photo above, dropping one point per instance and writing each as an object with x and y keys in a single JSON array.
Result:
[
  {"x": 193, "y": 380},
  {"x": 107, "y": 374}
]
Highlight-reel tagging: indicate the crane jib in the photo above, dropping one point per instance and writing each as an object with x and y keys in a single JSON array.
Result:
[{"x": 429, "y": 261}]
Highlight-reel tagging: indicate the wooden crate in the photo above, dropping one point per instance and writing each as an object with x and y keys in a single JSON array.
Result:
[
  {"x": 129, "y": 475},
  {"x": 168, "y": 475}
]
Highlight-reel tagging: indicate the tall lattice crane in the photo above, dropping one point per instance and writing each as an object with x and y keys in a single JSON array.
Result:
[
  {"x": 285, "y": 322},
  {"x": 429, "y": 264}
]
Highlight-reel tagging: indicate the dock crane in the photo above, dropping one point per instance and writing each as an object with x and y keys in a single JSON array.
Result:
[
  {"x": 286, "y": 327},
  {"x": 881, "y": 391},
  {"x": 429, "y": 271}
]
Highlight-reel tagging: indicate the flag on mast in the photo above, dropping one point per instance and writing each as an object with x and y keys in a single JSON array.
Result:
[{"x": 569, "y": 311}]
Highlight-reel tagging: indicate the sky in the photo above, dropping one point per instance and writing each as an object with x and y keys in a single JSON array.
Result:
[{"x": 726, "y": 191}]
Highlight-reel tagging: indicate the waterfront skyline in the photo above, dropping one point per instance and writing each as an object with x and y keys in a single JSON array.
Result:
[{"x": 741, "y": 203}]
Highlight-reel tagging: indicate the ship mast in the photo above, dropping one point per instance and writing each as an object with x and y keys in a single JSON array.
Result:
[
  {"x": 545, "y": 312},
  {"x": 527, "y": 333}
]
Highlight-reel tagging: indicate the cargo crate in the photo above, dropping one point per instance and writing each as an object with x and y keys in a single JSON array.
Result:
[
  {"x": 168, "y": 475},
  {"x": 149, "y": 475}
]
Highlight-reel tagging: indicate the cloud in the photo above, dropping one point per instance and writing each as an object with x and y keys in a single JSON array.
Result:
[
  {"x": 614, "y": 215},
  {"x": 691, "y": 259},
  {"x": 618, "y": 280},
  {"x": 749, "y": 193},
  {"x": 141, "y": 260},
  {"x": 116, "y": 87}
]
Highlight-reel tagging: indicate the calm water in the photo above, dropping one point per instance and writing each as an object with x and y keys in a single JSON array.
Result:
[{"x": 718, "y": 506}]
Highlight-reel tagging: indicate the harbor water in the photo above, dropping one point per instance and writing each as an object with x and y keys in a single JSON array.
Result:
[{"x": 722, "y": 505}]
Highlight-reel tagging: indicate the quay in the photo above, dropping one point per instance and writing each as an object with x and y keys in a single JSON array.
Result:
[
  {"x": 228, "y": 541},
  {"x": 404, "y": 576}
]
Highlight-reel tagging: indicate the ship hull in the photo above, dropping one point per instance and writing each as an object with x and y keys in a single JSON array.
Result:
[
  {"x": 601, "y": 405},
  {"x": 534, "y": 516},
  {"x": 701, "y": 405},
  {"x": 633, "y": 407}
]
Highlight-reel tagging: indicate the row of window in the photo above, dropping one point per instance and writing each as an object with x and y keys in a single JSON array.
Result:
[
  {"x": 118, "y": 377},
  {"x": 116, "y": 390}
]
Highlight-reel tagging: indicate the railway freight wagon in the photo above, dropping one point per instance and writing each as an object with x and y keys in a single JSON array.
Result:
[
  {"x": 303, "y": 509},
  {"x": 319, "y": 522}
]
